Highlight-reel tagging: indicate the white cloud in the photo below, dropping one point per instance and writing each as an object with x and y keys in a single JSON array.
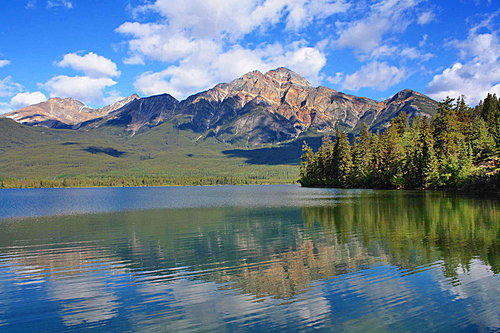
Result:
[
  {"x": 376, "y": 75},
  {"x": 339, "y": 77},
  {"x": 91, "y": 64},
  {"x": 205, "y": 70},
  {"x": 474, "y": 80},
  {"x": 9, "y": 87},
  {"x": 27, "y": 98},
  {"x": 199, "y": 41},
  {"x": 30, "y": 4},
  {"x": 86, "y": 89},
  {"x": 479, "y": 71},
  {"x": 236, "y": 18},
  {"x": 423, "y": 41},
  {"x": 89, "y": 88},
  {"x": 385, "y": 51},
  {"x": 4, "y": 62},
  {"x": 157, "y": 42},
  {"x": 366, "y": 34},
  {"x": 113, "y": 97},
  {"x": 425, "y": 17},
  {"x": 413, "y": 53},
  {"x": 59, "y": 3}
]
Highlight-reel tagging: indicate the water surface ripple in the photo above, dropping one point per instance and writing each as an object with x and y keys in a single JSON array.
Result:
[{"x": 247, "y": 258}]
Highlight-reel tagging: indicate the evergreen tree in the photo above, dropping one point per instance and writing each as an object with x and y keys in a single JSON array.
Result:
[
  {"x": 419, "y": 155},
  {"x": 400, "y": 122},
  {"x": 393, "y": 155},
  {"x": 420, "y": 170},
  {"x": 306, "y": 165},
  {"x": 490, "y": 112},
  {"x": 342, "y": 162},
  {"x": 482, "y": 141},
  {"x": 325, "y": 153},
  {"x": 362, "y": 159}
]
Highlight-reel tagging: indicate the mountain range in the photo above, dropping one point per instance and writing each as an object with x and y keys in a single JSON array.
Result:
[
  {"x": 251, "y": 127},
  {"x": 256, "y": 108}
]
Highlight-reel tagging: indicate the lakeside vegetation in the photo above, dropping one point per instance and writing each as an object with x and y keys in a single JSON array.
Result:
[
  {"x": 42, "y": 157},
  {"x": 458, "y": 149},
  {"x": 134, "y": 181}
]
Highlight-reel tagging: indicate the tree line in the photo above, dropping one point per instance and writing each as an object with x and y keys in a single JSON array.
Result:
[
  {"x": 457, "y": 149},
  {"x": 133, "y": 181}
]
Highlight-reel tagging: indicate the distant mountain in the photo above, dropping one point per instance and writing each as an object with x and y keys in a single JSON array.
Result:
[
  {"x": 62, "y": 112},
  {"x": 256, "y": 108},
  {"x": 148, "y": 111}
]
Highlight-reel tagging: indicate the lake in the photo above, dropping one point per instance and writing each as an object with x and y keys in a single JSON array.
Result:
[{"x": 247, "y": 258}]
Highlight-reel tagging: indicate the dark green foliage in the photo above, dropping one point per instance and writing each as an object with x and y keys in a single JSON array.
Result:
[
  {"x": 362, "y": 158},
  {"x": 133, "y": 181},
  {"x": 448, "y": 152},
  {"x": 341, "y": 163},
  {"x": 489, "y": 110}
]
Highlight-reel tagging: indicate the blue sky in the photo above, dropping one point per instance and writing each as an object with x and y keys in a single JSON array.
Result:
[{"x": 101, "y": 51}]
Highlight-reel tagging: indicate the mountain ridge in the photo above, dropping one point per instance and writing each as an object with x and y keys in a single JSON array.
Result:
[
  {"x": 59, "y": 112},
  {"x": 256, "y": 108}
]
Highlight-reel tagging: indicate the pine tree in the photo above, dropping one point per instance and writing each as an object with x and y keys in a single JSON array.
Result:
[
  {"x": 421, "y": 165},
  {"x": 326, "y": 152},
  {"x": 482, "y": 141},
  {"x": 306, "y": 165},
  {"x": 342, "y": 162},
  {"x": 393, "y": 157},
  {"x": 490, "y": 112},
  {"x": 362, "y": 159},
  {"x": 378, "y": 156},
  {"x": 400, "y": 122}
]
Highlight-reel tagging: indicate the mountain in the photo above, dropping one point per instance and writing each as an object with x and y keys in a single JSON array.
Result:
[
  {"x": 62, "y": 112},
  {"x": 140, "y": 112},
  {"x": 257, "y": 108},
  {"x": 253, "y": 126}
]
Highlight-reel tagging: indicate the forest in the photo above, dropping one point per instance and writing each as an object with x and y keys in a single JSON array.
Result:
[{"x": 457, "y": 149}]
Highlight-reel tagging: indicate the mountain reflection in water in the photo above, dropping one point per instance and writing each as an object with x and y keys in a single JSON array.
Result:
[{"x": 373, "y": 260}]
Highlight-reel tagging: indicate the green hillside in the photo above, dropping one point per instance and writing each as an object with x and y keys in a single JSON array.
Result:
[{"x": 34, "y": 152}]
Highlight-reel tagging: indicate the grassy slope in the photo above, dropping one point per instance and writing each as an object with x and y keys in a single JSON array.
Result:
[{"x": 29, "y": 152}]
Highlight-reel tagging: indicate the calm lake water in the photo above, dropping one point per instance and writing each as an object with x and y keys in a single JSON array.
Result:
[{"x": 247, "y": 258}]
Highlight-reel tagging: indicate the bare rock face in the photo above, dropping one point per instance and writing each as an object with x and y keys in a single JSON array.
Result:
[
  {"x": 282, "y": 93},
  {"x": 256, "y": 108},
  {"x": 409, "y": 101},
  {"x": 148, "y": 111},
  {"x": 62, "y": 112}
]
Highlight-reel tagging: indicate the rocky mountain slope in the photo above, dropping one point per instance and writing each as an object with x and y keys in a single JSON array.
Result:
[
  {"x": 256, "y": 108},
  {"x": 62, "y": 112}
]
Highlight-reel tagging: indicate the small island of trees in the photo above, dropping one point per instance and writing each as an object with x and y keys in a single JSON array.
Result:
[{"x": 457, "y": 149}]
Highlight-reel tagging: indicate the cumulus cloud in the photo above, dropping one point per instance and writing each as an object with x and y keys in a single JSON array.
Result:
[
  {"x": 4, "y": 62},
  {"x": 376, "y": 75},
  {"x": 90, "y": 88},
  {"x": 8, "y": 87},
  {"x": 202, "y": 72},
  {"x": 234, "y": 19},
  {"x": 385, "y": 17},
  {"x": 91, "y": 64},
  {"x": 473, "y": 79},
  {"x": 478, "y": 72},
  {"x": 86, "y": 89},
  {"x": 27, "y": 98},
  {"x": 200, "y": 40}
]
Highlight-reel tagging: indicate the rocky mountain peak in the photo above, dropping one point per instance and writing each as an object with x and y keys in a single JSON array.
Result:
[
  {"x": 64, "y": 101},
  {"x": 285, "y": 75},
  {"x": 66, "y": 112},
  {"x": 116, "y": 105},
  {"x": 404, "y": 94}
]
